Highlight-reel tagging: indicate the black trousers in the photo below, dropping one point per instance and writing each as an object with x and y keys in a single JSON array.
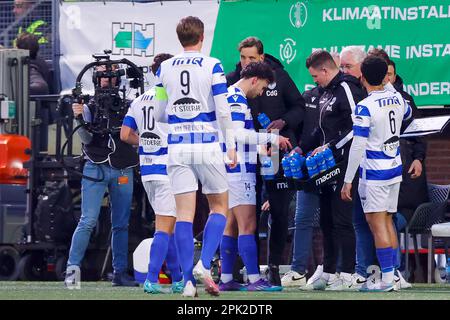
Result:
[
  {"x": 337, "y": 228},
  {"x": 279, "y": 213}
]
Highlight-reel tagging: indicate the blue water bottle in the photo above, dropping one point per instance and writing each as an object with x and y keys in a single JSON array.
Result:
[
  {"x": 296, "y": 166},
  {"x": 311, "y": 165},
  {"x": 286, "y": 164},
  {"x": 329, "y": 159},
  {"x": 448, "y": 270},
  {"x": 267, "y": 170},
  {"x": 264, "y": 120},
  {"x": 321, "y": 164}
]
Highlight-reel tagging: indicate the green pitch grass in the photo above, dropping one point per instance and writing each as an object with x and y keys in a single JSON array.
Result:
[{"x": 104, "y": 291}]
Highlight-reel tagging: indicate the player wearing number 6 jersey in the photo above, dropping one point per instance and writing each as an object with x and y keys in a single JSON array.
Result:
[
  {"x": 375, "y": 150},
  {"x": 191, "y": 88},
  {"x": 140, "y": 128}
]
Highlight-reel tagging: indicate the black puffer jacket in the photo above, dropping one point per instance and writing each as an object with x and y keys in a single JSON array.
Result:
[
  {"x": 280, "y": 101},
  {"x": 413, "y": 192},
  {"x": 336, "y": 105}
]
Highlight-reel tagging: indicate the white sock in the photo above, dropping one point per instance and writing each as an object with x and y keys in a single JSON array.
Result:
[
  {"x": 253, "y": 278},
  {"x": 387, "y": 277},
  {"x": 225, "y": 277}
]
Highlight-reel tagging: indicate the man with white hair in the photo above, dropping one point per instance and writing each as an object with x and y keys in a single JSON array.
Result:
[{"x": 351, "y": 59}]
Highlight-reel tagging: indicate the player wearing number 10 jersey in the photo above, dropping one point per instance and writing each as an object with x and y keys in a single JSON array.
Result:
[{"x": 140, "y": 128}]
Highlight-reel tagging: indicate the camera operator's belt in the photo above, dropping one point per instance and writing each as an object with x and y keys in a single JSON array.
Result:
[{"x": 193, "y": 137}]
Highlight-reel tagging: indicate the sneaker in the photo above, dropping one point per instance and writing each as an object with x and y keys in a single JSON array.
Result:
[
  {"x": 177, "y": 287},
  {"x": 273, "y": 275},
  {"x": 153, "y": 288},
  {"x": 379, "y": 287},
  {"x": 400, "y": 282},
  {"x": 357, "y": 281},
  {"x": 231, "y": 286},
  {"x": 204, "y": 275},
  {"x": 339, "y": 282},
  {"x": 316, "y": 276},
  {"x": 190, "y": 290},
  {"x": 72, "y": 278},
  {"x": 122, "y": 279},
  {"x": 293, "y": 279},
  {"x": 323, "y": 284},
  {"x": 263, "y": 285}
]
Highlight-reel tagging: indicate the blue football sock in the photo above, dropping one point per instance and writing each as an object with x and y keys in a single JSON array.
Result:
[
  {"x": 158, "y": 252},
  {"x": 172, "y": 260},
  {"x": 228, "y": 253},
  {"x": 211, "y": 237},
  {"x": 395, "y": 258},
  {"x": 248, "y": 253},
  {"x": 184, "y": 240},
  {"x": 385, "y": 259}
]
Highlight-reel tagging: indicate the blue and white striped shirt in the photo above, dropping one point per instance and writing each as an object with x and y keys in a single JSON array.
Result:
[
  {"x": 378, "y": 118},
  {"x": 246, "y": 136},
  {"x": 152, "y": 137}
]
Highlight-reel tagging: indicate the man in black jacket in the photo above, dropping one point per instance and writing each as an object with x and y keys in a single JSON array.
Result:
[
  {"x": 340, "y": 95},
  {"x": 284, "y": 105},
  {"x": 413, "y": 189},
  {"x": 307, "y": 203}
]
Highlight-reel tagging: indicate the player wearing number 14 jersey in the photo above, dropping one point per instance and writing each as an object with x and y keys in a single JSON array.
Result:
[{"x": 376, "y": 151}]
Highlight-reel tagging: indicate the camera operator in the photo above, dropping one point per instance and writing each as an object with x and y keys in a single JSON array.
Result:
[{"x": 108, "y": 166}]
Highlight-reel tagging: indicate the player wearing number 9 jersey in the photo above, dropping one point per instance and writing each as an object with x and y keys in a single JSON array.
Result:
[
  {"x": 191, "y": 89},
  {"x": 376, "y": 151}
]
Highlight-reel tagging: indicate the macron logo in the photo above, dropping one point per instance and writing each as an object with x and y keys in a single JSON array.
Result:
[
  {"x": 235, "y": 97},
  {"x": 328, "y": 176},
  {"x": 282, "y": 185},
  {"x": 359, "y": 109}
]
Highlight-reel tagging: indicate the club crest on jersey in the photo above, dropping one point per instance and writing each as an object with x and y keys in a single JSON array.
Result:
[
  {"x": 186, "y": 108},
  {"x": 150, "y": 142}
]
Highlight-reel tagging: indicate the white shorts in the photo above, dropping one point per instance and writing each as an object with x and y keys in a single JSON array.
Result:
[
  {"x": 241, "y": 192},
  {"x": 184, "y": 174},
  {"x": 379, "y": 198},
  {"x": 161, "y": 197}
]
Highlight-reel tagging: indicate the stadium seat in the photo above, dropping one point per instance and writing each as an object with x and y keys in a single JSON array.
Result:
[{"x": 425, "y": 216}]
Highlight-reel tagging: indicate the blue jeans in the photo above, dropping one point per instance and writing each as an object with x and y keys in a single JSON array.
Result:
[
  {"x": 365, "y": 245},
  {"x": 92, "y": 194},
  {"x": 306, "y": 208}
]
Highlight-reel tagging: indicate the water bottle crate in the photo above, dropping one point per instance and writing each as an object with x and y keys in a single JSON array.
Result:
[{"x": 320, "y": 180}]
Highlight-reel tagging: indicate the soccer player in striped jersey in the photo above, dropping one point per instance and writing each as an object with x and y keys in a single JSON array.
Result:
[
  {"x": 191, "y": 88},
  {"x": 376, "y": 131},
  {"x": 140, "y": 128},
  {"x": 239, "y": 233}
]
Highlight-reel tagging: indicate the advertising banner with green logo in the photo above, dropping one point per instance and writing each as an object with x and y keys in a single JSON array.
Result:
[{"x": 414, "y": 33}]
